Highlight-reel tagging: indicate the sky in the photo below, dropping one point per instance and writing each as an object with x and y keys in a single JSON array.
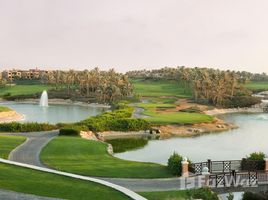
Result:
[{"x": 134, "y": 34}]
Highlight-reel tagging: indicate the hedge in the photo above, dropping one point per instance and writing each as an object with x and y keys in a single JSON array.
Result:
[
  {"x": 72, "y": 130},
  {"x": 255, "y": 161},
  {"x": 16, "y": 127},
  {"x": 118, "y": 120}
]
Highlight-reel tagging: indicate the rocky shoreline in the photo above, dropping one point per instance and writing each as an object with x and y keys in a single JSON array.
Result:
[{"x": 216, "y": 111}]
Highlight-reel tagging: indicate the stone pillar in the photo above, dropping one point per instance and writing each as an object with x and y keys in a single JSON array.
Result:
[
  {"x": 185, "y": 167},
  {"x": 205, "y": 173},
  {"x": 266, "y": 164}
]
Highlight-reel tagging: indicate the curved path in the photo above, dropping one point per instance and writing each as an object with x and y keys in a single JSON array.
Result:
[{"x": 29, "y": 152}]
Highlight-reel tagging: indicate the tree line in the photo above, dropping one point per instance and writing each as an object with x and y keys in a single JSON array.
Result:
[
  {"x": 106, "y": 86},
  {"x": 221, "y": 88}
]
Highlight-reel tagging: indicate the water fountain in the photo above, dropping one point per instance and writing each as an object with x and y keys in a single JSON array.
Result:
[{"x": 44, "y": 99}]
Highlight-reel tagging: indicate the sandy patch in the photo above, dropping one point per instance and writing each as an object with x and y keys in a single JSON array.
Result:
[{"x": 10, "y": 116}]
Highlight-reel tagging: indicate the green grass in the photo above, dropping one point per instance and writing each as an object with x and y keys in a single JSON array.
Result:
[
  {"x": 23, "y": 89},
  {"x": 156, "y": 105},
  {"x": 180, "y": 118},
  {"x": 126, "y": 144},
  {"x": 4, "y": 109},
  {"x": 258, "y": 86},
  {"x": 204, "y": 194},
  {"x": 150, "y": 88},
  {"x": 80, "y": 156},
  {"x": 164, "y": 118},
  {"x": 44, "y": 184},
  {"x": 8, "y": 143}
]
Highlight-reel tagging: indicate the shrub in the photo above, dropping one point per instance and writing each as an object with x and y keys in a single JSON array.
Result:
[
  {"x": 26, "y": 127},
  {"x": 256, "y": 156},
  {"x": 118, "y": 120},
  {"x": 255, "y": 161},
  {"x": 128, "y": 124},
  {"x": 204, "y": 193},
  {"x": 241, "y": 101},
  {"x": 174, "y": 164},
  {"x": 72, "y": 130},
  {"x": 252, "y": 196},
  {"x": 230, "y": 196}
]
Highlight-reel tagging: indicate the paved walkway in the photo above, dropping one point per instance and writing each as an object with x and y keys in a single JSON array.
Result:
[
  {"x": 9, "y": 195},
  {"x": 29, "y": 153}
]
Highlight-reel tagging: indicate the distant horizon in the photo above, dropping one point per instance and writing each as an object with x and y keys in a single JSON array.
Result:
[
  {"x": 128, "y": 35},
  {"x": 116, "y": 69}
]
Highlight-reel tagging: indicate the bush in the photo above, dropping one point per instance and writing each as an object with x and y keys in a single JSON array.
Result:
[
  {"x": 260, "y": 156},
  {"x": 255, "y": 161},
  {"x": 174, "y": 164},
  {"x": 204, "y": 193},
  {"x": 252, "y": 196},
  {"x": 16, "y": 127},
  {"x": 128, "y": 124},
  {"x": 241, "y": 101},
  {"x": 118, "y": 120},
  {"x": 72, "y": 130}
]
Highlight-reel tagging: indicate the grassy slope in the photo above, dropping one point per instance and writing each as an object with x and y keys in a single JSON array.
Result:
[
  {"x": 4, "y": 109},
  {"x": 8, "y": 143},
  {"x": 44, "y": 184},
  {"x": 23, "y": 89},
  {"x": 256, "y": 86},
  {"x": 86, "y": 157},
  {"x": 127, "y": 144},
  {"x": 181, "y": 118},
  {"x": 156, "y": 90},
  {"x": 159, "y": 88}
]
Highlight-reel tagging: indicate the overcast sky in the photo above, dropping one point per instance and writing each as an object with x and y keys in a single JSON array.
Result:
[{"x": 134, "y": 34}]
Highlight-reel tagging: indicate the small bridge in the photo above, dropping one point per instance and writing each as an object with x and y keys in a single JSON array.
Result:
[{"x": 233, "y": 175}]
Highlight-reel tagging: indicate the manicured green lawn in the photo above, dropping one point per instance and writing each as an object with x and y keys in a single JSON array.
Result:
[
  {"x": 159, "y": 118},
  {"x": 204, "y": 194},
  {"x": 80, "y": 156},
  {"x": 44, "y": 184},
  {"x": 23, "y": 89},
  {"x": 127, "y": 144},
  {"x": 160, "y": 88},
  {"x": 156, "y": 105},
  {"x": 8, "y": 143},
  {"x": 257, "y": 86},
  {"x": 4, "y": 109},
  {"x": 163, "y": 118}
]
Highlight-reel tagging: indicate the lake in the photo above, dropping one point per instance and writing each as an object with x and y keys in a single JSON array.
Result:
[
  {"x": 251, "y": 136},
  {"x": 54, "y": 113}
]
